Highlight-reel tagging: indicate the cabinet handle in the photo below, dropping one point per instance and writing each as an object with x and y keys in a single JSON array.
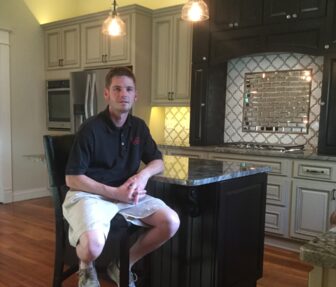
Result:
[
  {"x": 288, "y": 16},
  {"x": 333, "y": 194},
  {"x": 314, "y": 171},
  {"x": 172, "y": 96},
  {"x": 169, "y": 96},
  {"x": 102, "y": 58},
  {"x": 326, "y": 46},
  {"x": 294, "y": 15}
]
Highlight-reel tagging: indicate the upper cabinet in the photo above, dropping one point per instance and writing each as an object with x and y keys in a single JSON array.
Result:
[
  {"x": 276, "y": 11},
  {"x": 99, "y": 49},
  {"x": 62, "y": 47},
  {"x": 236, "y": 14},
  {"x": 171, "y": 58}
]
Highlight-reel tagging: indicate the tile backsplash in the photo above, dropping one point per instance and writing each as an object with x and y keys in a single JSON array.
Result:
[
  {"x": 176, "y": 128},
  {"x": 237, "y": 68}
]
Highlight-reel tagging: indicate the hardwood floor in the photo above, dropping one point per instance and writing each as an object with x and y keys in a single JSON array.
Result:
[{"x": 27, "y": 251}]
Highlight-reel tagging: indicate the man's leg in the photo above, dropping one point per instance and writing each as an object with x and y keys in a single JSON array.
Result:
[
  {"x": 91, "y": 244},
  {"x": 164, "y": 224}
]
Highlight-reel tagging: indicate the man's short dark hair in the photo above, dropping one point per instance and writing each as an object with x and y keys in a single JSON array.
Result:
[{"x": 118, "y": 72}]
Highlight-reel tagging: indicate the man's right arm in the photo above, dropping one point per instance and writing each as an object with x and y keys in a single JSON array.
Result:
[{"x": 82, "y": 182}]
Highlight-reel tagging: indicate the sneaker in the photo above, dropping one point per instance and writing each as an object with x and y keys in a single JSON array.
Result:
[
  {"x": 114, "y": 273},
  {"x": 88, "y": 277}
]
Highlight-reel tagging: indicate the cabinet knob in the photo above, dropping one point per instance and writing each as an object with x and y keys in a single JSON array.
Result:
[
  {"x": 322, "y": 104},
  {"x": 288, "y": 16},
  {"x": 294, "y": 15},
  {"x": 202, "y": 105},
  {"x": 326, "y": 46},
  {"x": 231, "y": 25},
  {"x": 235, "y": 24},
  {"x": 204, "y": 58}
]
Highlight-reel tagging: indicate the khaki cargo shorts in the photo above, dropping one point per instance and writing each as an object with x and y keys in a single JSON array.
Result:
[{"x": 86, "y": 211}]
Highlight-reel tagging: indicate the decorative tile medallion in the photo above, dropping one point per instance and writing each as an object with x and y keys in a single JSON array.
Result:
[{"x": 237, "y": 68}]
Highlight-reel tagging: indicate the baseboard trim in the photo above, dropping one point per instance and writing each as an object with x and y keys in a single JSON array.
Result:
[
  {"x": 283, "y": 243},
  {"x": 30, "y": 194}
]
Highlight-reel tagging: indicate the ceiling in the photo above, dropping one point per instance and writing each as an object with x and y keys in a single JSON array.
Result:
[{"x": 46, "y": 11}]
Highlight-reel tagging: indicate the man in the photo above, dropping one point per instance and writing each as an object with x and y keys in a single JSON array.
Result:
[{"x": 104, "y": 179}]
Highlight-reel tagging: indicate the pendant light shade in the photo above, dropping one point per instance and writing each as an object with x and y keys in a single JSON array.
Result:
[
  {"x": 195, "y": 11},
  {"x": 113, "y": 25}
]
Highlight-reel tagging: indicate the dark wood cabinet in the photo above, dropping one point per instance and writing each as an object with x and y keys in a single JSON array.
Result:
[
  {"x": 221, "y": 236},
  {"x": 207, "y": 104},
  {"x": 283, "y": 11},
  {"x": 302, "y": 37},
  {"x": 327, "y": 130},
  {"x": 235, "y": 14},
  {"x": 329, "y": 28},
  {"x": 226, "y": 45}
]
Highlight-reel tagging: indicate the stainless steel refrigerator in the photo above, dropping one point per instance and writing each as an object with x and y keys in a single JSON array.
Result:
[{"x": 87, "y": 94}]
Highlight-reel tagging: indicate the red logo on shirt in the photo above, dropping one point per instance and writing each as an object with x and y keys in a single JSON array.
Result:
[{"x": 136, "y": 140}]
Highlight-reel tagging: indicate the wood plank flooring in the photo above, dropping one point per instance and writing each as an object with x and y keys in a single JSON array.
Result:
[{"x": 27, "y": 251}]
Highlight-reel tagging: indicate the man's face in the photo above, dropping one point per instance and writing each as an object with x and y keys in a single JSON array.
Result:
[{"x": 121, "y": 94}]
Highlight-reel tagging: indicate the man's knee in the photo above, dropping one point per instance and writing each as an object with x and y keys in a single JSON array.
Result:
[
  {"x": 171, "y": 222},
  {"x": 92, "y": 243}
]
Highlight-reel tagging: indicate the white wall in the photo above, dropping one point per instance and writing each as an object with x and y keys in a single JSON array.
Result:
[
  {"x": 5, "y": 125},
  {"x": 27, "y": 98}
]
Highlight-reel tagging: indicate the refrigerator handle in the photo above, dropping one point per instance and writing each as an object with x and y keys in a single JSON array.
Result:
[
  {"x": 87, "y": 91},
  {"x": 93, "y": 94}
]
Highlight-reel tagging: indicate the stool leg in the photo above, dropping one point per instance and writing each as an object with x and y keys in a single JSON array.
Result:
[{"x": 124, "y": 258}]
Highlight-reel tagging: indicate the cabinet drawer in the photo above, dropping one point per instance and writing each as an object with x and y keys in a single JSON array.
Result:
[
  {"x": 279, "y": 166},
  {"x": 276, "y": 220},
  {"x": 315, "y": 170},
  {"x": 278, "y": 189}
]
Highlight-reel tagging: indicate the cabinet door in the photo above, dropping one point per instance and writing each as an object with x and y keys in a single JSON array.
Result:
[
  {"x": 62, "y": 47},
  {"x": 312, "y": 204},
  {"x": 162, "y": 59},
  {"x": 171, "y": 61},
  {"x": 329, "y": 29},
  {"x": 92, "y": 41},
  {"x": 53, "y": 48},
  {"x": 181, "y": 57},
  {"x": 70, "y": 47},
  {"x": 117, "y": 49},
  {"x": 327, "y": 131},
  {"x": 235, "y": 14},
  {"x": 276, "y": 11}
]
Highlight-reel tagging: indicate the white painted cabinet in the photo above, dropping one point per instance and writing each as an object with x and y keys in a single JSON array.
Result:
[
  {"x": 62, "y": 47},
  {"x": 99, "y": 49},
  {"x": 171, "y": 59},
  {"x": 313, "y": 198}
]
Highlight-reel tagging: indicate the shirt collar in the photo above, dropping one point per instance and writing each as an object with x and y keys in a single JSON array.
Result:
[{"x": 110, "y": 123}]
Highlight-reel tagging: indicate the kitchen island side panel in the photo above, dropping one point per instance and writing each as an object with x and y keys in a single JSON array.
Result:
[{"x": 221, "y": 237}]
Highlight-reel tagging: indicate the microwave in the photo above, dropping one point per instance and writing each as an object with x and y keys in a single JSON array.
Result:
[{"x": 58, "y": 105}]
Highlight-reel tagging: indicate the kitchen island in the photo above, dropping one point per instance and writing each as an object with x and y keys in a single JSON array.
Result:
[{"x": 221, "y": 237}]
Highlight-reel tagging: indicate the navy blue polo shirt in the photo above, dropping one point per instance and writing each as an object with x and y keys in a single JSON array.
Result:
[{"x": 109, "y": 154}]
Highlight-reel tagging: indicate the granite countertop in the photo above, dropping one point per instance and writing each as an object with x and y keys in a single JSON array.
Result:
[
  {"x": 321, "y": 251},
  {"x": 307, "y": 154},
  {"x": 188, "y": 171}
]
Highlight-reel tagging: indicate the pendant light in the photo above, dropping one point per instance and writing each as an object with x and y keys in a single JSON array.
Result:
[
  {"x": 113, "y": 25},
  {"x": 195, "y": 11}
]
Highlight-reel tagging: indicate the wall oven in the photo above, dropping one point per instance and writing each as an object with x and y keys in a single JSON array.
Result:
[{"x": 58, "y": 105}]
